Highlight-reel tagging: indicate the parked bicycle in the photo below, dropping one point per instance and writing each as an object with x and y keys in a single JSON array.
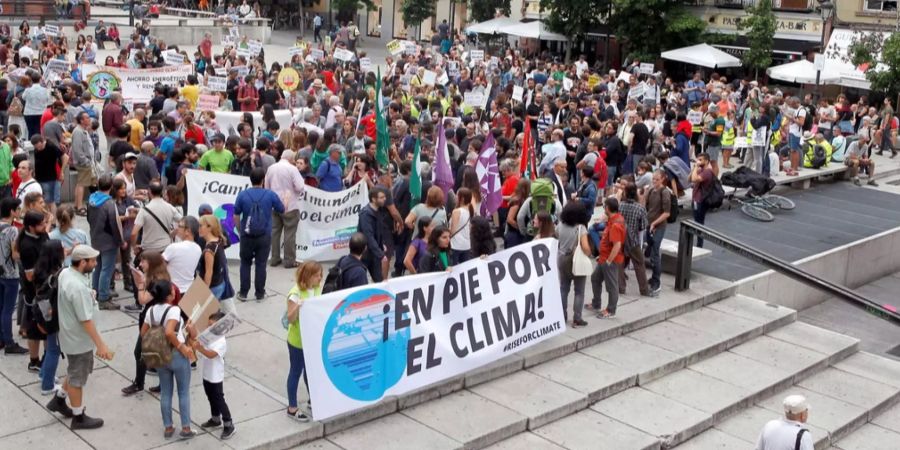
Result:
[{"x": 757, "y": 203}]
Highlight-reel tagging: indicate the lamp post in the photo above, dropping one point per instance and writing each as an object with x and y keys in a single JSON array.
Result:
[{"x": 825, "y": 8}]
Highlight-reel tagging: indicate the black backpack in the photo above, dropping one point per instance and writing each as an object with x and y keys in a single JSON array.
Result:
[
  {"x": 334, "y": 280},
  {"x": 44, "y": 307},
  {"x": 714, "y": 194},
  {"x": 810, "y": 117},
  {"x": 673, "y": 207},
  {"x": 819, "y": 157}
]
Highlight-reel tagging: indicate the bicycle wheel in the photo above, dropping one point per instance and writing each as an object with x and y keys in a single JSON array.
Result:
[
  {"x": 780, "y": 202},
  {"x": 757, "y": 213}
]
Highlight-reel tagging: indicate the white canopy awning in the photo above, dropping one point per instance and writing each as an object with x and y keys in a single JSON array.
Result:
[
  {"x": 837, "y": 51},
  {"x": 491, "y": 26},
  {"x": 801, "y": 71},
  {"x": 702, "y": 55},
  {"x": 533, "y": 30}
]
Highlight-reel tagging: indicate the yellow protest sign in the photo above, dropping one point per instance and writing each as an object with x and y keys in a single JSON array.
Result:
[{"x": 288, "y": 79}]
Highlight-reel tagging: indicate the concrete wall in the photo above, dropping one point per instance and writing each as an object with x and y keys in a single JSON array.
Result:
[{"x": 851, "y": 265}]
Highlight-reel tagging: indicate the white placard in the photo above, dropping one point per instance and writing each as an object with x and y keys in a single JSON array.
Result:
[
  {"x": 741, "y": 142},
  {"x": 429, "y": 78},
  {"x": 443, "y": 79},
  {"x": 636, "y": 92},
  {"x": 138, "y": 84},
  {"x": 567, "y": 84},
  {"x": 365, "y": 64},
  {"x": 476, "y": 55},
  {"x": 217, "y": 84},
  {"x": 242, "y": 71},
  {"x": 208, "y": 102},
  {"x": 227, "y": 41},
  {"x": 173, "y": 59},
  {"x": 57, "y": 66},
  {"x": 518, "y": 93},
  {"x": 51, "y": 30},
  {"x": 410, "y": 48},
  {"x": 383, "y": 340},
  {"x": 317, "y": 54},
  {"x": 474, "y": 99},
  {"x": 220, "y": 71},
  {"x": 342, "y": 54},
  {"x": 295, "y": 51},
  {"x": 453, "y": 69},
  {"x": 695, "y": 117},
  {"x": 759, "y": 137},
  {"x": 647, "y": 68},
  {"x": 245, "y": 52},
  {"x": 255, "y": 47},
  {"x": 234, "y": 32}
]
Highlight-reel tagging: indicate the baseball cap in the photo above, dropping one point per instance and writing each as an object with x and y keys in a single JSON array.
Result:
[
  {"x": 130, "y": 155},
  {"x": 795, "y": 404},
  {"x": 205, "y": 209},
  {"x": 82, "y": 252}
]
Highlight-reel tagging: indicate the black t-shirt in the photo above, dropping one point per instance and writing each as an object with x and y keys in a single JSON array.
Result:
[
  {"x": 45, "y": 163},
  {"x": 269, "y": 97},
  {"x": 156, "y": 104},
  {"x": 29, "y": 250},
  {"x": 119, "y": 149},
  {"x": 640, "y": 140},
  {"x": 232, "y": 88},
  {"x": 533, "y": 110},
  {"x": 216, "y": 248}
]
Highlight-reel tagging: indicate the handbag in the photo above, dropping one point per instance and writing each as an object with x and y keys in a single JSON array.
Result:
[
  {"x": 16, "y": 107},
  {"x": 581, "y": 263}
]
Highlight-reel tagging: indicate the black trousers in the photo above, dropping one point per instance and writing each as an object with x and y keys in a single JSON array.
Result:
[
  {"x": 140, "y": 370},
  {"x": 216, "y": 396}
]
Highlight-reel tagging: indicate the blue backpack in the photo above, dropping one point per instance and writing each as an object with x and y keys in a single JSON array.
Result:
[{"x": 255, "y": 225}]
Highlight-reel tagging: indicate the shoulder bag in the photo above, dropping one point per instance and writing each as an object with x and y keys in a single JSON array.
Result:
[{"x": 581, "y": 263}]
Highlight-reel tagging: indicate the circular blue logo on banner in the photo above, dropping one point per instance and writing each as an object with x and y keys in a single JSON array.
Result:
[
  {"x": 359, "y": 361},
  {"x": 225, "y": 214}
]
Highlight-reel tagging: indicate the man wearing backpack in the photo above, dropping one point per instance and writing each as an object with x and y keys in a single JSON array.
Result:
[
  {"x": 702, "y": 179},
  {"x": 253, "y": 209},
  {"x": 542, "y": 198},
  {"x": 78, "y": 337},
  {"x": 659, "y": 210},
  {"x": 351, "y": 272},
  {"x": 370, "y": 226}
]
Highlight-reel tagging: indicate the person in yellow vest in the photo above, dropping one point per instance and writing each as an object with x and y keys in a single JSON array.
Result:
[
  {"x": 728, "y": 138},
  {"x": 810, "y": 159}
]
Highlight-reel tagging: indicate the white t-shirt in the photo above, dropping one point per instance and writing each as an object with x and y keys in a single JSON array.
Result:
[
  {"x": 26, "y": 52},
  {"x": 28, "y": 187},
  {"x": 580, "y": 67},
  {"x": 782, "y": 433},
  {"x": 155, "y": 316},
  {"x": 796, "y": 129},
  {"x": 214, "y": 368},
  {"x": 181, "y": 259}
]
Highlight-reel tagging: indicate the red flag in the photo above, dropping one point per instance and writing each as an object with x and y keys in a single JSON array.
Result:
[{"x": 526, "y": 149}]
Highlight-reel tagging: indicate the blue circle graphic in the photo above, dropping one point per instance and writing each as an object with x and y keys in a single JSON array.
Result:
[{"x": 358, "y": 361}]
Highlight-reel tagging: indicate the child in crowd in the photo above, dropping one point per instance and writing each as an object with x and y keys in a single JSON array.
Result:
[
  {"x": 308, "y": 280},
  {"x": 213, "y": 362}
]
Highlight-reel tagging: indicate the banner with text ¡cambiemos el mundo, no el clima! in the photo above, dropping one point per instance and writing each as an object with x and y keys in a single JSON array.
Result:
[
  {"x": 327, "y": 219},
  {"x": 365, "y": 343}
]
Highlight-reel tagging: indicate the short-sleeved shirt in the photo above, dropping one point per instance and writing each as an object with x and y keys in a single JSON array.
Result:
[
  {"x": 214, "y": 368},
  {"x": 706, "y": 175},
  {"x": 613, "y": 233},
  {"x": 716, "y": 125},
  {"x": 45, "y": 162},
  {"x": 8, "y": 235},
  {"x": 438, "y": 216},
  {"x": 268, "y": 202},
  {"x": 782, "y": 433},
  {"x": 155, "y": 238},
  {"x": 157, "y": 315},
  {"x": 216, "y": 161},
  {"x": 77, "y": 304},
  {"x": 181, "y": 262},
  {"x": 509, "y": 188}
]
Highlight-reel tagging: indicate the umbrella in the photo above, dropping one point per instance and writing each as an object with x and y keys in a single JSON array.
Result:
[
  {"x": 533, "y": 30},
  {"x": 492, "y": 26},
  {"x": 801, "y": 71},
  {"x": 702, "y": 55}
]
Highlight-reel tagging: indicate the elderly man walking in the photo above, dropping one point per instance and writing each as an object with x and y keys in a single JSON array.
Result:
[
  {"x": 284, "y": 179},
  {"x": 788, "y": 431}
]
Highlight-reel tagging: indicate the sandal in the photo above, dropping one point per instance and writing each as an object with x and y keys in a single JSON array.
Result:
[{"x": 81, "y": 212}]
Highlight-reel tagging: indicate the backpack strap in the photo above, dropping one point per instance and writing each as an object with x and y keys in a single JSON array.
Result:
[{"x": 799, "y": 438}]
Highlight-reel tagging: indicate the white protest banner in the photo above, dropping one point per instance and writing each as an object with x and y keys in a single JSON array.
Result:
[
  {"x": 57, "y": 66},
  {"x": 485, "y": 96},
  {"x": 476, "y": 55},
  {"x": 295, "y": 51},
  {"x": 473, "y": 99},
  {"x": 518, "y": 93},
  {"x": 207, "y": 102},
  {"x": 217, "y": 84},
  {"x": 759, "y": 137},
  {"x": 387, "y": 339},
  {"x": 327, "y": 219},
  {"x": 647, "y": 68},
  {"x": 365, "y": 64},
  {"x": 395, "y": 47},
  {"x": 636, "y": 92},
  {"x": 695, "y": 117},
  {"x": 443, "y": 79},
  {"x": 245, "y": 52},
  {"x": 317, "y": 54},
  {"x": 173, "y": 58},
  {"x": 138, "y": 84},
  {"x": 429, "y": 78},
  {"x": 342, "y": 54},
  {"x": 51, "y": 30},
  {"x": 255, "y": 47}
]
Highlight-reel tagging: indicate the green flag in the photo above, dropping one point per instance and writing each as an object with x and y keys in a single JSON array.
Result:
[
  {"x": 382, "y": 137},
  {"x": 415, "y": 178}
]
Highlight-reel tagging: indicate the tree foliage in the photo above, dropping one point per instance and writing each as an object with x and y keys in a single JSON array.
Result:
[
  {"x": 575, "y": 18},
  {"x": 879, "y": 57},
  {"x": 345, "y": 8},
  {"x": 760, "y": 31},
  {"x": 416, "y": 11},
  {"x": 481, "y": 10},
  {"x": 647, "y": 27}
]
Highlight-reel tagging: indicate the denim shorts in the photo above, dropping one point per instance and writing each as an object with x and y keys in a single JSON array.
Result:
[
  {"x": 51, "y": 191},
  {"x": 794, "y": 143},
  {"x": 80, "y": 367}
]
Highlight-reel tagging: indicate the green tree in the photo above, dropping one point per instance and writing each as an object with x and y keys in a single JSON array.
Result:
[
  {"x": 760, "y": 31},
  {"x": 346, "y": 9},
  {"x": 481, "y": 10},
  {"x": 879, "y": 56},
  {"x": 415, "y": 12},
  {"x": 574, "y": 18},
  {"x": 648, "y": 26}
]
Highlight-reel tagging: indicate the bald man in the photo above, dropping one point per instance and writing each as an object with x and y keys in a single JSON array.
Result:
[{"x": 136, "y": 138}]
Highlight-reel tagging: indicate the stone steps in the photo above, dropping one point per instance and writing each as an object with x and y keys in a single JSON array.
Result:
[
  {"x": 881, "y": 433},
  {"x": 491, "y": 411}
]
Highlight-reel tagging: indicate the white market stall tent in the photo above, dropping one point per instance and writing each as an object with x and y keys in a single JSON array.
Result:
[
  {"x": 702, "y": 55},
  {"x": 801, "y": 71},
  {"x": 533, "y": 30},
  {"x": 492, "y": 26}
]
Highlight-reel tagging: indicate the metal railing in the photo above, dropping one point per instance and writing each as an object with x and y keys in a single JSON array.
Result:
[{"x": 690, "y": 230}]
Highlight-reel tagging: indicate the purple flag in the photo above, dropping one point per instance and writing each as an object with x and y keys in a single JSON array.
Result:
[
  {"x": 442, "y": 174},
  {"x": 489, "y": 177}
]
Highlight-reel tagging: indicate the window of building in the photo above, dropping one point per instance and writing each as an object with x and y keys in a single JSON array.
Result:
[
  {"x": 881, "y": 5},
  {"x": 373, "y": 20}
]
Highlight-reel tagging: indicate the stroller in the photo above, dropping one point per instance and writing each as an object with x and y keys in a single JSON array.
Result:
[{"x": 757, "y": 202}]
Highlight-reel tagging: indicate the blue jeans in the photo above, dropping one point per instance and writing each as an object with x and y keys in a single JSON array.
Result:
[
  {"x": 9, "y": 292},
  {"x": 255, "y": 251},
  {"x": 612, "y": 172},
  {"x": 178, "y": 371},
  {"x": 218, "y": 290},
  {"x": 700, "y": 217},
  {"x": 51, "y": 361},
  {"x": 298, "y": 367},
  {"x": 655, "y": 240},
  {"x": 101, "y": 278}
]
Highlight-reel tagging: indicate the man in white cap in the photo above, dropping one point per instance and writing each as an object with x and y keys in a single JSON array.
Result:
[
  {"x": 78, "y": 336},
  {"x": 788, "y": 432}
]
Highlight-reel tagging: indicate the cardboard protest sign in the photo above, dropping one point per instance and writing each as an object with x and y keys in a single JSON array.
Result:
[{"x": 198, "y": 303}]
